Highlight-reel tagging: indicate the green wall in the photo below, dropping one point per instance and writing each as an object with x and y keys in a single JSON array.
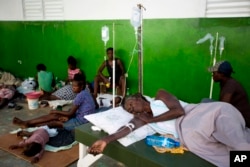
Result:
[{"x": 172, "y": 59}]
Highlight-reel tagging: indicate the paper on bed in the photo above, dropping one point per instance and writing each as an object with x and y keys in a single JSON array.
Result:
[{"x": 111, "y": 120}]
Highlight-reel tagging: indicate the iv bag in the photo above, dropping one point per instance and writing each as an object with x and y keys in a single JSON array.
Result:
[
  {"x": 205, "y": 38},
  {"x": 136, "y": 17},
  {"x": 221, "y": 47},
  {"x": 105, "y": 34}
]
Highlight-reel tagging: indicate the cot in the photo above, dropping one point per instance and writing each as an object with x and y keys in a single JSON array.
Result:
[{"x": 135, "y": 155}]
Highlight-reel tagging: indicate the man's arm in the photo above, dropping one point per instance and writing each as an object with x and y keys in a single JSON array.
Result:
[
  {"x": 173, "y": 104},
  {"x": 100, "y": 145}
]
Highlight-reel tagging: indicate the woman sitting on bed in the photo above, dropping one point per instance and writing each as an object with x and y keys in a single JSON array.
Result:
[{"x": 218, "y": 127}]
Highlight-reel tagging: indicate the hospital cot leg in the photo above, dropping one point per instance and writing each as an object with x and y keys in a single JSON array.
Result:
[{"x": 86, "y": 159}]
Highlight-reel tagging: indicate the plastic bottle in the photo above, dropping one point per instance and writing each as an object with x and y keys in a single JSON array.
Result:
[
  {"x": 108, "y": 84},
  {"x": 161, "y": 141}
]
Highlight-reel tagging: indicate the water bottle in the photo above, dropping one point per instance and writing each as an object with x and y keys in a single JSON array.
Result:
[{"x": 161, "y": 141}]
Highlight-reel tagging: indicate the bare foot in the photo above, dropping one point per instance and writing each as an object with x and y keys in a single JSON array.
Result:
[{"x": 19, "y": 122}]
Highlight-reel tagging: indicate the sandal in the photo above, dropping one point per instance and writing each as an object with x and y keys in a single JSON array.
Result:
[
  {"x": 11, "y": 105},
  {"x": 44, "y": 103},
  {"x": 18, "y": 107}
]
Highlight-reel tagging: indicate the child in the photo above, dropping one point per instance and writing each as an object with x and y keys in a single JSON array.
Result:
[
  {"x": 83, "y": 105},
  {"x": 45, "y": 80},
  {"x": 72, "y": 69},
  {"x": 34, "y": 145},
  {"x": 66, "y": 92}
]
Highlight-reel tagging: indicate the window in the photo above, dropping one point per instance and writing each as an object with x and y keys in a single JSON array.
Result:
[
  {"x": 43, "y": 9},
  {"x": 228, "y": 8}
]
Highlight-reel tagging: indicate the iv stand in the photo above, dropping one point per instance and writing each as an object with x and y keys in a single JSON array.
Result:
[
  {"x": 113, "y": 66},
  {"x": 214, "y": 61},
  {"x": 140, "y": 54}
]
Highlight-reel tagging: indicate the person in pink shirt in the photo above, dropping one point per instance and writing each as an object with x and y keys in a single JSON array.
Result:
[
  {"x": 72, "y": 69},
  {"x": 34, "y": 145}
]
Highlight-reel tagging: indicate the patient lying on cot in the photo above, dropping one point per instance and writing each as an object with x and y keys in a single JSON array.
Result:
[{"x": 207, "y": 121}]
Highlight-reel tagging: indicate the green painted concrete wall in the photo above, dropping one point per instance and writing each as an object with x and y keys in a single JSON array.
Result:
[{"x": 172, "y": 59}]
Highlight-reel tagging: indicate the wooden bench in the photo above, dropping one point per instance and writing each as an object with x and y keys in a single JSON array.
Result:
[{"x": 135, "y": 155}]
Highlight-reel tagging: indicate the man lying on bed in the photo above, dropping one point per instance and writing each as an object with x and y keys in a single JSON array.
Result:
[{"x": 218, "y": 127}]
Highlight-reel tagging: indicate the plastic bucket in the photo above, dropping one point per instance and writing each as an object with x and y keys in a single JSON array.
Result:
[
  {"x": 33, "y": 104},
  {"x": 33, "y": 98}
]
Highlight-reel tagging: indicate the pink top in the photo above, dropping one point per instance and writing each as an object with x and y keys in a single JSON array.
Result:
[
  {"x": 71, "y": 73},
  {"x": 40, "y": 136}
]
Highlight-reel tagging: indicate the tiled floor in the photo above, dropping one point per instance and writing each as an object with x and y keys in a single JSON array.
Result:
[{"x": 6, "y": 116}]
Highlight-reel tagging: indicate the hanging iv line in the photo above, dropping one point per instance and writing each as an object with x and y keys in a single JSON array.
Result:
[
  {"x": 136, "y": 21},
  {"x": 105, "y": 37}
]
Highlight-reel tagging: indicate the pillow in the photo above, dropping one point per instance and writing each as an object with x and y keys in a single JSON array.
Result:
[{"x": 111, "y": 120}]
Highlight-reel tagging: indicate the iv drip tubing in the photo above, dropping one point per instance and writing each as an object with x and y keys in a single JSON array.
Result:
[{"x": 132, "y": 57}]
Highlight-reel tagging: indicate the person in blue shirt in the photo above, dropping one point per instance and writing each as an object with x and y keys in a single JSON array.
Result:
[{"x": 83, "y": 105}]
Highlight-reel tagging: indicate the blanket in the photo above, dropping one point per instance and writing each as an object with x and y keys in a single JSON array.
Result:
[{"x": 211, "y": 130}]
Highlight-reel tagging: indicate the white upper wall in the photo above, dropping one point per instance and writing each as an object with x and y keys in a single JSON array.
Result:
[
  {"x": 122, "y": 9},
  {"x": 113, "y": 9},
  {"x": 11, "y": 10}
]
